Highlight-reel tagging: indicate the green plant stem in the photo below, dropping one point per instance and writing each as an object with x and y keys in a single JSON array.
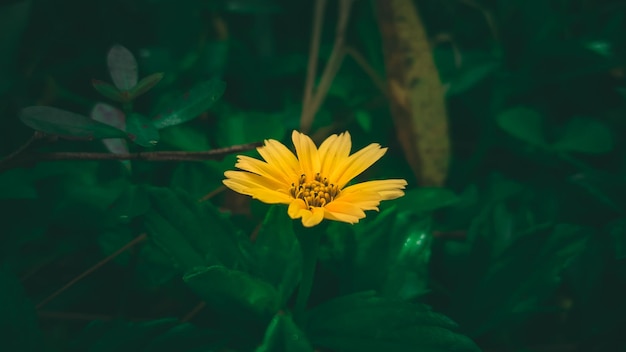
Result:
[{"x": 309, "y": 243}]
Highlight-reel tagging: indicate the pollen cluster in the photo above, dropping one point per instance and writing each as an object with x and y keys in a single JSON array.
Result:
[{"x": 315, "y": 193}]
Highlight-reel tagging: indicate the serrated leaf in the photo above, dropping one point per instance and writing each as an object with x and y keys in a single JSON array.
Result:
[
  {"x": 234, "y": 292},
  {"x": 109, "y": 91},
  {"x": 64, "y": 123},
  {"x": 524, "y": 123},
  {"x": 122, "y": 67},
  {"x": 145, "y": 84},
  {"x": 191, "y": 104},
  {"x": 141, "y": 131},
  {"x": 282, "y": 335},
  {"x": 586, "y": 136},
  {"x": 367, "y": 322}
]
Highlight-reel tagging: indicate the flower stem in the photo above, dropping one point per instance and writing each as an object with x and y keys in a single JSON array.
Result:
[{"x": 309, "y": 243}]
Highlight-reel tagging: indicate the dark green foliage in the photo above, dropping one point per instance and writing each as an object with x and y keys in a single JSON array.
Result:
[{"x": 523, "y": 249}]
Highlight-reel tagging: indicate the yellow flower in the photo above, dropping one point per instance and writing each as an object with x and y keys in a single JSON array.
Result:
[{"x": 314, "y": 182}]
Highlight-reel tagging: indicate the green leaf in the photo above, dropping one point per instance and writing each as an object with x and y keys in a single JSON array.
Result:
[
  {"x": 234, "y": 292},
  {"x": 121, "y": 336},
  {"x": 64, "y": 123},
  {"x": 18, "y": 320},
  {"x": 109, "y": 91},
  {"x": 192, "y": 104},
  {"x": 109, "y": 115},
  {"x": 282, "y": 335},
  {"x": 523, "y": 276},
  {"x": 141, "y": 131},
  {"x": 471, "y": 77},
  {"x": 586, "y": 136},
  {"x": 132, "y": 202},
  {"x": 366, "y": 322},
  {"x": 279, "y": 258},
  {"x": 122, "y": 67},
  {"x": 426, "y": 199},
  {"x": 193, "y": 234},
  {"x": 524, "y": 123},
  {"x": 145, "y": 84}
]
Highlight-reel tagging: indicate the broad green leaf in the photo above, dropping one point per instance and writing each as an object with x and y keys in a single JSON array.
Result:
[
  {"x": 282, "y": 335},
  {"x": 18, "y": 320},
  {"x": 586, "y": 136},
  {"x": 132, "y": 202},
  {"x": 426, "y": 199},
  {"x": 234, "y": 292},
  {"x": 524, "y": 123},
  {"x": 141, "y": 131},
  {"x": 366, "y": 322},
  {"x": 193, "y": 234},
  {"x": 110, "y": 91},
  {"x": 471, "y": 77},
  {"x": 279, "y": 258},
  {"x": 64, "y": 123},
  {"x": 145, "y": 84},
  {"x": 192, "y": 104},
  {"x": 523, "y": 276},
  {"x": 122, "y": 67}
]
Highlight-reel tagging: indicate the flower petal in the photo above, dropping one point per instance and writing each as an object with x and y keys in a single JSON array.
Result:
[
  {"x": 387, "y": 189},
  {"x": 280, "y": 157},
  {"x": 312, "y": 217},
  {"x": 357, "y": 163},
  {"x": 307, "y": 154},
  {"x": 262, "y": 168},
  {"x": 256, "y": 186},
  {"x": 363, "y": 200},
  {"x": 344, "y": 211},
  {"x": 296, "y": 207},
  {"x": 334, "y": 151}
]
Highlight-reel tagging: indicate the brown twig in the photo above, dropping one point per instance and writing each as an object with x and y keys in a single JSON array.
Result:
[
  {"x": 215, "y": 154},
  {"x": 192, "y": 313},
  {"x": 212, "y": 194},
  {"x": 316, "y": 35},
  {"x": 367, "y": 68},
  {"x": 130, "y": 244},
  {"x": 330, "y": 70},
  {"x": 22, "y": 149}
]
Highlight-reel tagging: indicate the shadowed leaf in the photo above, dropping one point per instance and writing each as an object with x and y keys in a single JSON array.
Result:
[
  {"x": 122, "y": 67},
  {"x": 191, "y": 104},
  {"x": 64, "y": 123}
]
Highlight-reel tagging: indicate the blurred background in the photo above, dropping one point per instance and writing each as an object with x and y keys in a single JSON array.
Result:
[{"x": 505, "y": 117}]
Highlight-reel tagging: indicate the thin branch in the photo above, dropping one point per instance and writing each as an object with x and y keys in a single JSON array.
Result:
[
  {"x": 86, "y": 273},
  {"x": 215, "y": 154},
  {"x": 367, "y": 68},
  {"x": 330, "y": 70},
  {"x": 316, "y": 35},
  {"x": 197, "y": 309},
  {"x": 212, "y": 194},
  {"x": 22, "y": 149}
]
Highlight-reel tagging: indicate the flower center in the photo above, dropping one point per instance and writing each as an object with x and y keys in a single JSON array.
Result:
[{"x": 315, "y": 193}]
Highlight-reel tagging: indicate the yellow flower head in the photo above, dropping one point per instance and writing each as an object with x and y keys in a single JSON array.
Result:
[{"x": 313, "y": 182}]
